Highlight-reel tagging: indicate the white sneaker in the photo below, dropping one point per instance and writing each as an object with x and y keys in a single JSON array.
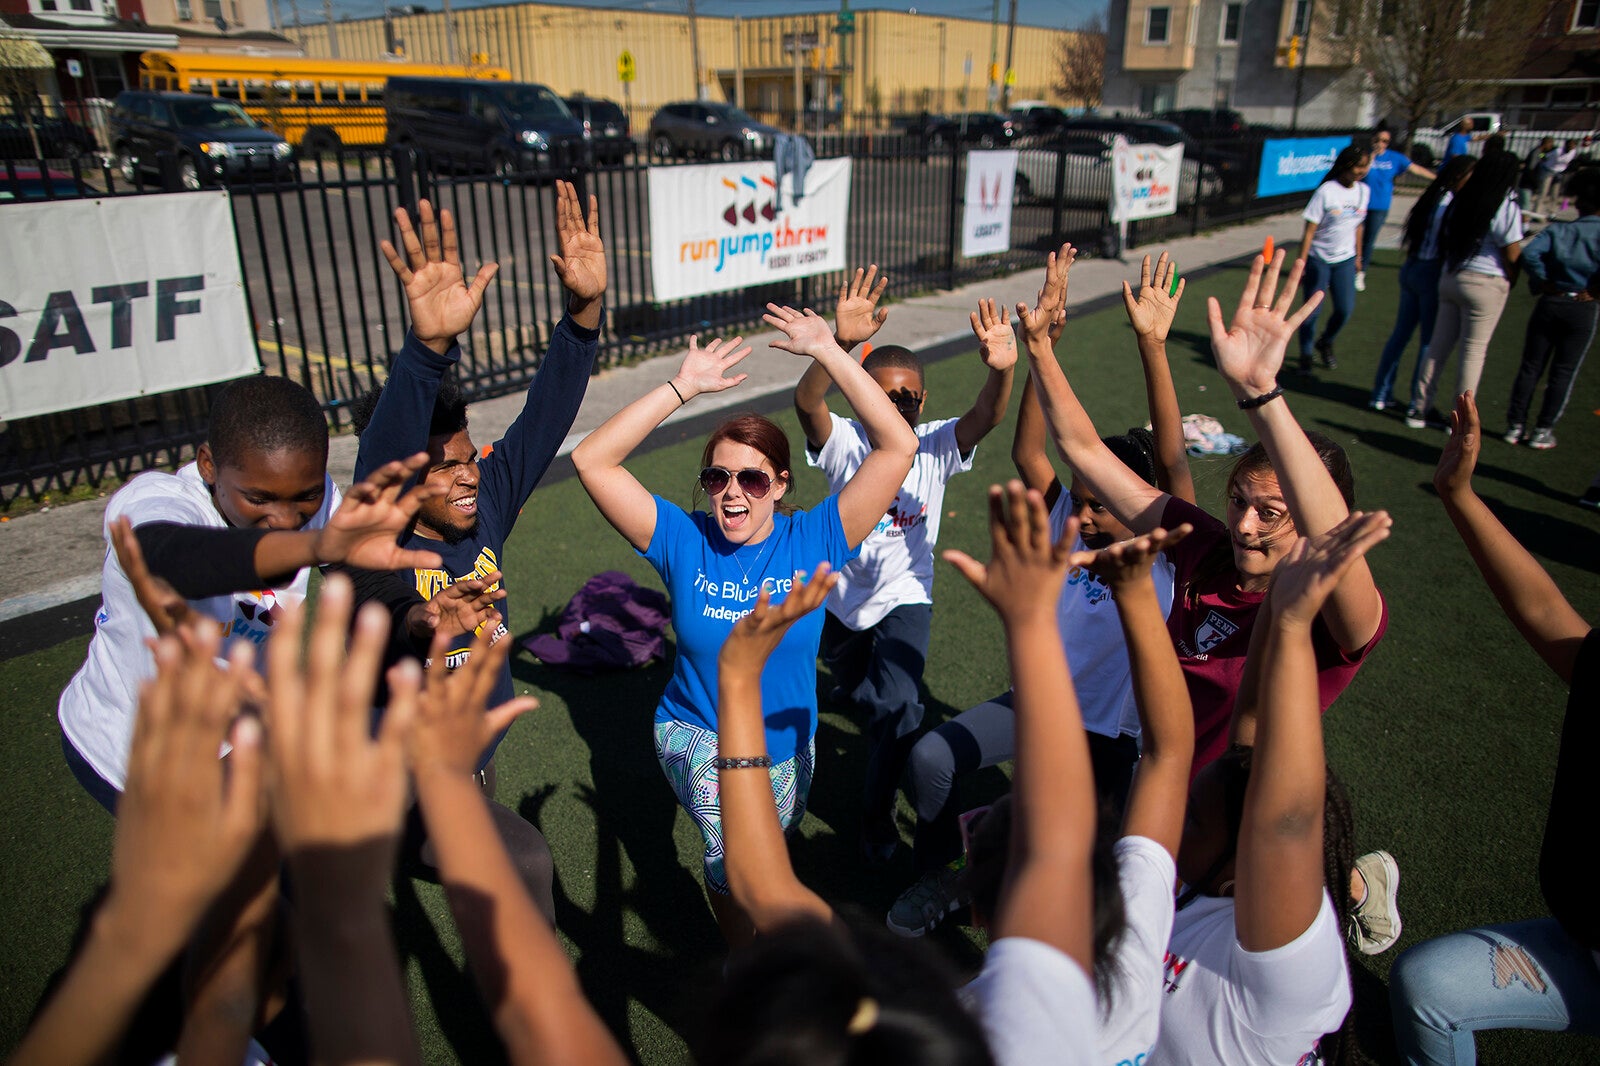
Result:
[{"x": 1361, "y": 281}]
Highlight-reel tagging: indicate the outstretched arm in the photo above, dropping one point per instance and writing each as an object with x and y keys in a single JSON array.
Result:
[
  {"x": 1524, "y": 590},
  {"x": 1151, "y": 315},
  {"x": 856, "y": 319},
  {"x": 1166, "y": 735},
  {"x": 1278, "y": 874},
  {"x": 872, "y": 488},
  {"x": 997, "y": 347},
  {"x": 1047, "y": 893},
  {"x": 1249, "y": 355},
  {"x": 1028, "y": 453},
  {"x": 627, "y": 504},
  {"x": 760, "y": 876},
  {"x": 1136, "y": 504}
]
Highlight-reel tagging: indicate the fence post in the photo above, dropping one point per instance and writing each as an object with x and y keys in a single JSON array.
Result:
[
  {"x": 953, "y": 230},
  {"x": 1199, "y": 182},
  {"x": 170, "y": 175},
  {"x": 405, "y": 179},
  {"x": 1058, "y": 203}
]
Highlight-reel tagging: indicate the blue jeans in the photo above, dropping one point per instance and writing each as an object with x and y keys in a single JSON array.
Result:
[
  {"x": 1376, "y": 217},
  {"x": 1526, "y": 975},
  {"x": 1419, "y": 306},
  {"x": 1338, "y": 280}
]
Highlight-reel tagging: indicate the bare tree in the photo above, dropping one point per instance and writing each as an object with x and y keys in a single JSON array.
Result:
[
  {"x": 1080, "y": 73},
  {"x": 21, "y": 59},
  {"x": 1425, "y": 56}
]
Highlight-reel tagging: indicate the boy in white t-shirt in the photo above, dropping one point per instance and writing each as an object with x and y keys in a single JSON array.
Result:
[{"x": 879, "y": 617}]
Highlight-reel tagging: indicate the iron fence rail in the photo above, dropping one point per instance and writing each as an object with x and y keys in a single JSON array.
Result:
[{"x": 328, "y": 312}]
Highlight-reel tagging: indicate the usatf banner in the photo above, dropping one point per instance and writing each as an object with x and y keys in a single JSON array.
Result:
[
  {"x": 986, "y": 222},
  {"x": 1296, "y": 164},
  {"x": 1144, "y": 180},
  {"x": 731, "y": 225},
  {"x": 104, "y": 300}
]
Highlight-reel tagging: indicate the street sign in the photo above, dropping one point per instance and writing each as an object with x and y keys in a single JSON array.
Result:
[
  {"x": 625, "y": 67},
  {"x": 1011, "y": 78},
  {"x": 807, "y": 42},
  {"x": 74, "y": 69},
  {"x": 966, "y": 65},
  {"x": 847, "y": 24}
]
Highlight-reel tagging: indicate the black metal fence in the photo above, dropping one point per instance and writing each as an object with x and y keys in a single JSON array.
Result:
[{"x": 328, "y": 313}]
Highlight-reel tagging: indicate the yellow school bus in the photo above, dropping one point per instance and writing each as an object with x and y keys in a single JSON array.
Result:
[{"x": 316, "y": 104}]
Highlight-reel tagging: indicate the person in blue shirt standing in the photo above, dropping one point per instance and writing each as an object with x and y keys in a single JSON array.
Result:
[
  {"x": 1563, "y": 267},
  {"x": 1460, "y": 142},
  {"x": 1387, "y": 165}
]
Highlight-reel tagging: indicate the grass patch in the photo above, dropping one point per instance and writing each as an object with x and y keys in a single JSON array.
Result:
[{"x": 1446, "y": 739}]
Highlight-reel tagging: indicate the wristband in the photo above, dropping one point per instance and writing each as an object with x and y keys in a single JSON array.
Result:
[
  {"x": 1262, "y": 400},
  {"x": 675, "y": 392},
  {"x": 743, "y": 762}
]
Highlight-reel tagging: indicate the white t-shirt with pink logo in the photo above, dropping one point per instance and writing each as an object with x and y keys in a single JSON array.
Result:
[
  {"x": 1225, "y": 1006},
  {"x": 896, "y": 561}
]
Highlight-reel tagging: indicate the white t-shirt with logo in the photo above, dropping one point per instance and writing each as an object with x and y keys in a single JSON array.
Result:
[
  {"x": 1091, "y": 631},
  {"x": 1338, "y": 213},
  {"x": 1225, "y": 1006},
  {"x": 1146, "y": 873},
  {"x": 896, "y": 561},
  {"x": 97, "y": 707},
  {"x": 1505, "y": 229},
  {"x": 1036, "y": 1005}
]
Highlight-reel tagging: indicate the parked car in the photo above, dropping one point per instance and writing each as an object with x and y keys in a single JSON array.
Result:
[
  {"x": 1084, "y": 159},
  {"x": 59, "y": 138},
  {"x": 213, "y": 140},
  {"x": 1033, "y": 119},
  {"x": 504, "y": 127},
  {"x": 605, "y": 127},
  {"x": 709, "y": 129},
  {"x": 1232, "y": 164},
  {"x": 1206, "y": 124},
  {"x": 21, "y": 183}
]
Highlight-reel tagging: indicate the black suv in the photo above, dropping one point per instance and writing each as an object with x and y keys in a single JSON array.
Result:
[
  {"x": 982, "y": 129},
  {"x": 1206, "y": 125},
  {"x": 605, "y": 127},
  {"x": 709, "y": 129},
  {"x": 505, "y": 127},
  {"x": 213, "y": 140}
]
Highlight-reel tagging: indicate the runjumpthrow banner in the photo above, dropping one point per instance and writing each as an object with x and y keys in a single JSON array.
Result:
[
  {"x": 104, "y": 300},
  {"x": 728, "y": 226}
]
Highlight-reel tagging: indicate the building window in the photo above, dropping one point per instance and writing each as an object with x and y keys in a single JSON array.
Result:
[
  {"x": 213, "y": 10},
  {"x": 1341, "y": 18},
  {"x": 1156, "y": 98},
  {"x": 47, "y": 5},
  {"x": 1157, "y": 25},
  {"x": 1472, "y": 18},
  {"x": 185, "y": 12},
  {"x": 82, "y": 5},
  {"x": 1586, "y": 15},
  {"x": 1232, "y": 19},
  {"x": 1302, "y": 18}
]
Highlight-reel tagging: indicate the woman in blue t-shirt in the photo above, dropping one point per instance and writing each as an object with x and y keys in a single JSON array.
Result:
[
  {"x": 716, "y": 562},
  {"x": 1387, "y": 166}
]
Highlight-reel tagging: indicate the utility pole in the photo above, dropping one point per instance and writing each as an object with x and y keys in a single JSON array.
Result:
[
  {"x": 694, "y": 46},
  {"x": 738, "y": 62},
  {"x": 294, "y": 13},
  {"x": 277, "y": 17},
  {"x": 942, "y": 105},
  {"x": 449, "y": 34},
  {"x": 994, "y": 53},
  {"x": 799, "y": 90},
  {"x": 1300, "y": 60},
  {"x": 1005, "y": 75},
  {"x": 333, "y": 29}
]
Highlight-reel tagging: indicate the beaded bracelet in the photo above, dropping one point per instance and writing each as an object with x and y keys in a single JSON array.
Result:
[
  {"x": 1262, "y": 400},
  {"x": 743, "y": 762}
]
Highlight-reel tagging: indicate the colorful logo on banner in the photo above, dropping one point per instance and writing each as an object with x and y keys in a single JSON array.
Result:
[
  {"x": 1144, "y": 180},
  {"x": 991, "y": 178},
  {"x": 1296, "y": 164},
  {"x": 725, "y": 226}
]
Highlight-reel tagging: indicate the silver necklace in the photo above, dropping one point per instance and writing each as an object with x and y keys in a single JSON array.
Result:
[{"x": 746, "y": 570}]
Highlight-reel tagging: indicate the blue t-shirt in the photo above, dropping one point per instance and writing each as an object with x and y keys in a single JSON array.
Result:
[
  {"x": 1380, "y": 178},
  {"x": 713, "y": 584},
  {"x": 1459, "y": 144}
]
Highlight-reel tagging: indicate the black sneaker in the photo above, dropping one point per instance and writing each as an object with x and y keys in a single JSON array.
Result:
[{"x": 1325, "y": 354}]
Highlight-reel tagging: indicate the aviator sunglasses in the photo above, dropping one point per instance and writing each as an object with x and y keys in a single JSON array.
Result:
[{"x": 755, "y": 483}]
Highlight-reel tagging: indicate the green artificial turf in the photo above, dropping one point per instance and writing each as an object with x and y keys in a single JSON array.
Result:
[{"x": 1446, "y": 739}]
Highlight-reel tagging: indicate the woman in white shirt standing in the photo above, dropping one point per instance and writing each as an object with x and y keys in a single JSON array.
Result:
[
  {"x": 1478, "y": 241},
  {"x": 1331, "y": 246}
]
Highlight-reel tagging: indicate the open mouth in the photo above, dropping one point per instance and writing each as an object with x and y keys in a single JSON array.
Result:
[
  {"x": 734, "y": 516},
  {"x": 467, "y": 505}
]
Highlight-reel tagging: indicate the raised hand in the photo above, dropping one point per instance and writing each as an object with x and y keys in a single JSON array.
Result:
[
  {"x": 1314, "y": 566},
  {"x": 449, "y": 726},
  {"x": 1460, "y": 456},
  {"x": 756, "y": 634},
  {"x": 442, "y": 304},
  {"x": 997, "y": 341},
  {"x": 185, "y": 822},
  {"x": 373, "y": 514},
  {"x": 1023, "y": 578},
  {"x": 705, "y": 369},
  {"x": 1129, "y": 561},
  {"x": 1250, "y": 351},
  {"x": 858, "y": 316},
  {"x": 1056, "y": 269},
  {"x": 807, "y": 332},
  {"x": 462, "y": 607},
  {"x": 1048, "y": 317},
  {"x": 581, "y": 266},
  {"x": 166, "y": 608},
  {"x": 1151, "y": 312}
]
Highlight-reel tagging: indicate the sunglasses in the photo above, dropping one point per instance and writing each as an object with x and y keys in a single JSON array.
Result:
[
  {"x": 908, "y": 403},
  {"x": 755, "y": 483}
]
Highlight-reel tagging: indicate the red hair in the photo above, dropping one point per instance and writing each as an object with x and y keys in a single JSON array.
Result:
[{"x": 762, "y": 434}]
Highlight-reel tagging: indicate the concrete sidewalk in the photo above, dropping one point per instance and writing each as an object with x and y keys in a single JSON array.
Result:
[{"x": 64, "y": 546}]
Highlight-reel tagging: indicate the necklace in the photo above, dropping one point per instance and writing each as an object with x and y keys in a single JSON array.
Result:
[{"x": 745, "y": 571}]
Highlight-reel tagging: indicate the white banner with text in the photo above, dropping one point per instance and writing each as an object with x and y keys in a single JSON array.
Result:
[
  {"x": 986, "y": 221},
  {"x": 104, "y": 300},
  {"x": 725, "y": 226},
  {"x": 1144, "y": 180}
]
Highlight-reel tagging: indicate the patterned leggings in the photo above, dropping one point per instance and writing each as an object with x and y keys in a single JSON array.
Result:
[{"x": 688, "y": 755}]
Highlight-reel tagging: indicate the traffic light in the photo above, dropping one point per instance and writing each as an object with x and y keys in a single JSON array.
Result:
[{"x": 1293, "y": 51}]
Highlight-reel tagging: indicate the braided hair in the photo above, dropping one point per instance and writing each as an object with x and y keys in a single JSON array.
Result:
[
  {"x": 1450, "y": 175},
  {"x": 1472, "y": 211}
]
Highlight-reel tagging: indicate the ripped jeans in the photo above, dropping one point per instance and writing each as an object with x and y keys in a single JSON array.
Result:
[{"x": 1526, "y": 975}]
